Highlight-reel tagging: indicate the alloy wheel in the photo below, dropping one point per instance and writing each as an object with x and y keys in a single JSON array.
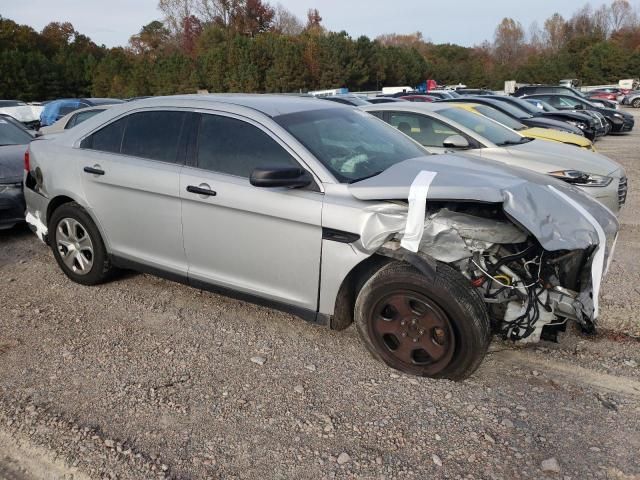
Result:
[{"x": 74, "y": 246}]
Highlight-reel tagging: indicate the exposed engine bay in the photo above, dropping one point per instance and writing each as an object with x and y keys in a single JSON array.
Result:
[{"x": 529, "y": 292}]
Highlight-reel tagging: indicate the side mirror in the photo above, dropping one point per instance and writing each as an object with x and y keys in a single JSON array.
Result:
[
  {"x": 455, "y": 141},
  {"x": 270, "y": 177},
  {"x": 579, "y": 107}
]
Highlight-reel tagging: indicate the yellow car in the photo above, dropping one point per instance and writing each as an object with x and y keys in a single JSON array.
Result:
[{"x": 535, "y": 132}]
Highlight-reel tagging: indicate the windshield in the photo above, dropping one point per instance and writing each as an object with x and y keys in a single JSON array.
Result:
[
  {"x": 352, "y": 144},
  {"x": 12, "y": 135},
  {"x": 499, "y": 117},
  {"x": 511, "y": 109},
  {"x": 522, "y": 104},
  {"x": 578, "y": 93},
  {"x": 489, "y": 129}
]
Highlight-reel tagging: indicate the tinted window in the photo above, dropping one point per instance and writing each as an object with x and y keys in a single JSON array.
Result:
[
  {"x": 569, "y": 102},
  {"x": 107, "y": 139},
  {"x": 424, "y": 130},
  {"x": 153, "y": 135},
  {"x": 349, "y": 142},
  {"x": 234, "y": 147}
]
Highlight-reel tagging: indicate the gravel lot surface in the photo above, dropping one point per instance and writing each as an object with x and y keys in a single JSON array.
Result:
[{"x": 144, "y": 378}]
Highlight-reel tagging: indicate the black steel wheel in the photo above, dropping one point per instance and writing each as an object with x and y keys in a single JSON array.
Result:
[{"x": 432, "y": 327}]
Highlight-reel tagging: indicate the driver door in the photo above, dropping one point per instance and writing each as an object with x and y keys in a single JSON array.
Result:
[{"x": 263, "y": 242}]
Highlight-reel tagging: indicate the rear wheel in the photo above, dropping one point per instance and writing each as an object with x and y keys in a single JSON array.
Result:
[
  {"x": 78, "y": 246},
  {"x": 428, "y": 327},
  {"x": 636, "y": 103}
]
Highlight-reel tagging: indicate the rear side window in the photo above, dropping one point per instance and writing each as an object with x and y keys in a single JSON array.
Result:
[
  {"x": 107, "y": 139},
  {"x": 81, "y": 117},
  {"x": 234, "y": 147},
  {"x": 153, "y": 135}
]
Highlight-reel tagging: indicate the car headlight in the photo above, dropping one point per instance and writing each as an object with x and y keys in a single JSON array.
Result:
[
  {"x": 583, "y": 179},
  {"x": 580, "y": 125},
  {"x": 7, "y": 187}
]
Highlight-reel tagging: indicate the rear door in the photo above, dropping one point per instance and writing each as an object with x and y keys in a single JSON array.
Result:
[
  {"x": 260, "y": 241},
  {"x": 131, "y": 177}
]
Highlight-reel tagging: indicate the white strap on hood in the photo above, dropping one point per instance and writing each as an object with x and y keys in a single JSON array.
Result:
[{"x": 417, "y": 210}]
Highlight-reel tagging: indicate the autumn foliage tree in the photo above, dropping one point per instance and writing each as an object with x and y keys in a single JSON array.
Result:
[{"x": 252, "y": 46}]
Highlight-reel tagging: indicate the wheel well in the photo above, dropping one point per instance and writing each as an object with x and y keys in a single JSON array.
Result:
[
  {"x": 55, "y": 203},
  {"x": 351, "y": 285}
]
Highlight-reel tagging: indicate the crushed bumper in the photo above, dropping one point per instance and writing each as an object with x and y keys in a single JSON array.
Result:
[{"x": 12, "y": 205}]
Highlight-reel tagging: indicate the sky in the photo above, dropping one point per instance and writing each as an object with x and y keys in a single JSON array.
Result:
[{"x": 465, "y": 22}]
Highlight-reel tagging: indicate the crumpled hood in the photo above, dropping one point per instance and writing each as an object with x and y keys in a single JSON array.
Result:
[
  {"x": 527, "y": 197},
  {"x": 22, "y": 113},
  {"x": 11, "y": 163},
  {"x": 565, "y": 156}
]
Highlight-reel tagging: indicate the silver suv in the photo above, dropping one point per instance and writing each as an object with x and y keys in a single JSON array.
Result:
[{"x": 327, "y": 212}]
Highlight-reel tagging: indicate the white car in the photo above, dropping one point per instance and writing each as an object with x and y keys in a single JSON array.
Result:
[{"x": 20, "y": 111}]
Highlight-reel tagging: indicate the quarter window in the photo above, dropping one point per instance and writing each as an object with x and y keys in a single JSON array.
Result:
[{"x": 234, "y": 147}]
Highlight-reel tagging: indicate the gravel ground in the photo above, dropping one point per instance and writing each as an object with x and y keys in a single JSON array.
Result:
[{"x": 144, "y": 378}]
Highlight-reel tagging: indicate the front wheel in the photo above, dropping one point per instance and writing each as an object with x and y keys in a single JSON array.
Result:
[
  {"x": 436, "y": 327},
  {"x": 636, "y": 103},
  {"x": 78, "y": 246}
]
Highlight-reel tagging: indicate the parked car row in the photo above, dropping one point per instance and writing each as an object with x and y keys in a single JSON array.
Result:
[{"x": 430, "y": 225}]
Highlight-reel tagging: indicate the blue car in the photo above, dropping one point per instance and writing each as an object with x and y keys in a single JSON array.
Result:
[{"x": 55, "y": 110}]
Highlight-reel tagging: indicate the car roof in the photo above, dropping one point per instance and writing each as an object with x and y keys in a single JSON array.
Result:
[
  {"x": 408, "y": 106},
  {"x": 271, "y": 105}
]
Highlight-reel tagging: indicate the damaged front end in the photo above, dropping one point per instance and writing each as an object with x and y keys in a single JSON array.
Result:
[
  {"x": 536, "y": 250},
  {"x": 529, "y": 292}
]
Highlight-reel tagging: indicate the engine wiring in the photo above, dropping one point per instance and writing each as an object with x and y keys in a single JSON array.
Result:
[{"x": 511, "y": 289}]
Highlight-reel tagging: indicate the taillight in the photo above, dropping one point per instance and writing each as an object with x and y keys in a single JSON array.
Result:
[{"x": 27, "y": 162}]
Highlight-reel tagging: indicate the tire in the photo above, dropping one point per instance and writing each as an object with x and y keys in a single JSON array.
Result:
[
  {"x": 78, "y": 246},
  {"x": 444, "y": 315},
  {"x": 636, "y": 103}
]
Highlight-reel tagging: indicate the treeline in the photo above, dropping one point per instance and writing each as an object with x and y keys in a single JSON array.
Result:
[
  {"x": 598, "y": 46},
  {"x": 251, "y": 46}
]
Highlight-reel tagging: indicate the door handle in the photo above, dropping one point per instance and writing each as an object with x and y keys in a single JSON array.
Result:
[
  {"x": 201, "y": 191},
  {"x": 94, "y": 170}
]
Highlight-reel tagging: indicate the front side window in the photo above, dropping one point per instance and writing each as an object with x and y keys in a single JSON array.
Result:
[
  {"x": 351, "y": 143},
  {"x": 489, "y": 129},
  {"x": 153, "y": 135},
  {"x": 234, "y": 147},
  {"x": 425, "y": 130},
  {"x": 569, "y": 102}
]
